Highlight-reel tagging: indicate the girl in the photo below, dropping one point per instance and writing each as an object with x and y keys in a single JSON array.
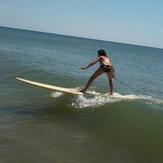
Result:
[{"x": 105, "y": 67}]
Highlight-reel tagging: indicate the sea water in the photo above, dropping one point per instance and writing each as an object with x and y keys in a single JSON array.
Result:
[{"x": 38, "y": 125}]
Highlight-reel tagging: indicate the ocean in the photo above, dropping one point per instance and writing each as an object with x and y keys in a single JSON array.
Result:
[{"x": 38, "y": 125}]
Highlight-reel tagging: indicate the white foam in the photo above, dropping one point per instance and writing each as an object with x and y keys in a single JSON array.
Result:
[
  {"x": 56, "y": 94},
  {"x": 97, "y": 100},
  {"x": 131, "y": 97},
  {"x": 83, "y": 101}
]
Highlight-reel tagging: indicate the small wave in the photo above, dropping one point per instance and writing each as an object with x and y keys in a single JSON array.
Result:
[
  {"x": 95, "y": 99},
  {"x": 83, "y": 101}
]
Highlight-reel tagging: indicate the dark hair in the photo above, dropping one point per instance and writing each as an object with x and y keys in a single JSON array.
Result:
[{"x": 102, "y": 52}]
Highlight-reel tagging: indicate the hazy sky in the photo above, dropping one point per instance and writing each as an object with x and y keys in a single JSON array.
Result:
[{"x": 128, "y": 21}]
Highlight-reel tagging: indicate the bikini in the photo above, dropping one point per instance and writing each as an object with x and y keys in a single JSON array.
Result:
[{"x": 106, "y": 68}]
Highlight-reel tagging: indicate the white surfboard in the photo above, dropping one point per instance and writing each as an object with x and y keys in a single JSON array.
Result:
[{"x": 54, "y": 88}]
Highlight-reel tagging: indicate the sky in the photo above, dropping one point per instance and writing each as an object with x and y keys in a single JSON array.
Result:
[{"x": 137, "y": 22}]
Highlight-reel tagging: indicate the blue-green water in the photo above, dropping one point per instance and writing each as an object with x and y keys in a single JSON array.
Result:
[{"x": 38, "y": 125}]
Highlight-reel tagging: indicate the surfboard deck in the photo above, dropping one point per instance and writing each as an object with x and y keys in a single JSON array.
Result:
[{"x": 53, "y": 87}]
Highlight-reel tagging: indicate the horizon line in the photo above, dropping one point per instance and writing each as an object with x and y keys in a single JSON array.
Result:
[{"x": 96, "y": 39}]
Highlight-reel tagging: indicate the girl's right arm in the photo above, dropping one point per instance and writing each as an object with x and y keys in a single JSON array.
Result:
[{"x": 91, "y": 64}]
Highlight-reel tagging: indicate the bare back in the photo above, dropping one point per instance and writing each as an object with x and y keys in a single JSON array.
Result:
[{"x": 105, "y": 60}]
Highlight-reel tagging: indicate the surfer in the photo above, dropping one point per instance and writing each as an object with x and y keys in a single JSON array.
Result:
[{"x": 105, "y": 67}]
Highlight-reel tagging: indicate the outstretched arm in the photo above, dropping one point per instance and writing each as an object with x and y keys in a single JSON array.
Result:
[{"x": 90, "y": 64}]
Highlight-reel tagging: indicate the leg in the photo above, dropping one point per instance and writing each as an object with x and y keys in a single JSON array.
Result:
[
  {"x": 97, "y": 73},
  {"x": 110, "y": 75}
]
